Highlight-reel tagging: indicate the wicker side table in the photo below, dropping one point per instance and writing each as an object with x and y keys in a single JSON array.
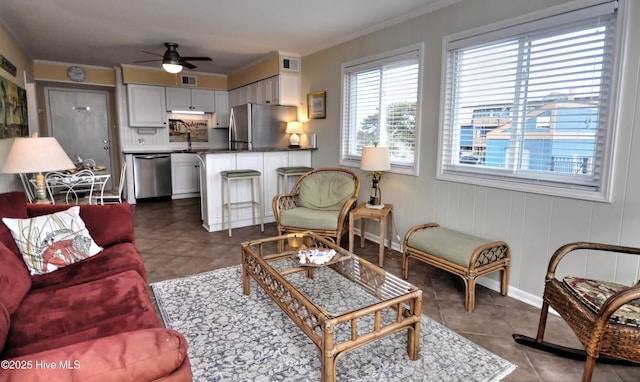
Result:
[{"x": 380, "y": 215}]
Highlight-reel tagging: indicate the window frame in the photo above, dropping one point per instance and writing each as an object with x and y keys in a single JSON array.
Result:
[
  {"x": 497, "y": 178},
  {"x": 351, "y": 160}
]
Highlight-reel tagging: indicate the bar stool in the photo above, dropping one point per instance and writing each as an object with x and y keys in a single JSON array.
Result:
[
  {"x": 253, "y": 175},
  {"x": 285, "y": 172}
]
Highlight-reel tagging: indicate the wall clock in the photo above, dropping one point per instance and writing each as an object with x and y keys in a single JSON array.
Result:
[{"x": 76, "y": 74}]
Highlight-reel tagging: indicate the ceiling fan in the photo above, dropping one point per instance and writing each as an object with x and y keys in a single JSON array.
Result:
[{"x": 172, "y": 62}]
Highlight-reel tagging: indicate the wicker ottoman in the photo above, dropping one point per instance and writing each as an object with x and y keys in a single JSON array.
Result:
[{"x": 467, "y": 256}]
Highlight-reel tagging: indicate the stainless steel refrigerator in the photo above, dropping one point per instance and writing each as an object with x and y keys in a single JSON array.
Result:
[{"x": 254, "y": 126}]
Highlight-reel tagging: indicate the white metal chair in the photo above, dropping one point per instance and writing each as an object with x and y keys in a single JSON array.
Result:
[
  {"x": 69, "y": 188},
  {"x": 29, "y": 190},
  {"x": 113, "y": 196}
]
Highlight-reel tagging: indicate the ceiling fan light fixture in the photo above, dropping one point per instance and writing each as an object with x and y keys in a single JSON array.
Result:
[
  {"x": 171, "y": 58},
  {"x": 172, "y": 68}
]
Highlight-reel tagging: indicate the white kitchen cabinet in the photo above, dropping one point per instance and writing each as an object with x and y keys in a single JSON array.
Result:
[
  {"x": 185, "y": 175},
  {"x": 270, "y": 90},
  {"x": 253, "y": 92},
  {"x": 191, "y": 99},
  {"x": 289, "y": 89},
  {"x": 146, "y": 106},
  {"x": 283, "y": 89},
  {"x": 222, "y": 108},
  {"x": 238, "y": 96}
]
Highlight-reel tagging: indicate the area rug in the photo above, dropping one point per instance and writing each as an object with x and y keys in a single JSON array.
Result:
[{"x": 233, "y": 337}]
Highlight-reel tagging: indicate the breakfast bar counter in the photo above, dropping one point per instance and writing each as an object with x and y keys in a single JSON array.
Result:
[{"x": 213, "y": 162}]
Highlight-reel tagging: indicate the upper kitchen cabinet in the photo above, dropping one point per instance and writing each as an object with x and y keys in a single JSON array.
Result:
[
  {"x": 289, "y": 89},
  {"x": 146, "y": 106},
  {"x": 191, "y": 99},
  {"x": 222, "y": 108},
  {"x": 283, "y": 89}
]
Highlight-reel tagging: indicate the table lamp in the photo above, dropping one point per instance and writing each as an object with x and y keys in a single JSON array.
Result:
[
  {"x": 376, "y": 160},
  {"x": 28, "y": 155},
  {"x": 294, "y": 128}
]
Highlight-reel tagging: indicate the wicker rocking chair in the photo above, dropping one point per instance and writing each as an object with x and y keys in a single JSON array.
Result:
[
  {"x": 320, "y": 201},
  {"x": 604, "y": 316}
]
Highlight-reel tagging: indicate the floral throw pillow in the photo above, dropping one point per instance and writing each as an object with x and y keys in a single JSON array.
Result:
[
  {"x": 50, "y": 242},
  {"x": 594, "y": 293}
]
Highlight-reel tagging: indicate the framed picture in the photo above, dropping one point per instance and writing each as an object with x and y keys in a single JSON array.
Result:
[
  {"x": 198, "y": 128},
  {"x": 317, "y": 105}
]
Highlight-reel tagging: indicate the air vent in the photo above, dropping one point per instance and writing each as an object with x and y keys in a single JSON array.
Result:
[
  {"x": 289, "y": 63},
  {"x": 189, "y": 80}
]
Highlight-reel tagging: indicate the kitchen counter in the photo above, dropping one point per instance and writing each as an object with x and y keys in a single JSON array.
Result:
[
  {"x": 264, "y": 160},
  {"x": 190, "y": 168},
  {"x": 209, "y": 151}
]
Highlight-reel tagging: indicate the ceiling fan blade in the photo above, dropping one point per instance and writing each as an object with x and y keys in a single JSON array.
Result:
[
  {"x": 187, "y": 65},
  {"x": 140, "y": 62},
  {"x": 155, "y": 54},
  {"x": 196, "y": 58}
]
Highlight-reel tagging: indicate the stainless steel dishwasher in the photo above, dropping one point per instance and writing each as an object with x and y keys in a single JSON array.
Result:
[{"x": 152, "y": 175}]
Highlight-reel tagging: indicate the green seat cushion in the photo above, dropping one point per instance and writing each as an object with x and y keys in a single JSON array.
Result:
[
  {"x": 302, "y": 217},
  {"x": 593, "y": 293},
  {"x": 239, "y": 173},
  {"x": 325, "y": 191},
  {"x": 446, "y": 243},
  {"x": 293, "y": 170}
]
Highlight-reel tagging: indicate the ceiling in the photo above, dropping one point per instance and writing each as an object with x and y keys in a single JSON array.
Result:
[{"x": 233, "y": 33}]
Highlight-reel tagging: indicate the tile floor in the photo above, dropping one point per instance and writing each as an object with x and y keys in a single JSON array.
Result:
[{"x": 173, "y": 244}]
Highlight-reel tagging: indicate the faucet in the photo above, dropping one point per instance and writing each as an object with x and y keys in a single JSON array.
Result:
[{"x": 188, "y": 140}]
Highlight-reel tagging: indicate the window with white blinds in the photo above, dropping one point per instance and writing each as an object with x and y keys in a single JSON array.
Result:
[
  {"x": 380, "y": 107},
  {"x": 529, "y": 107}
]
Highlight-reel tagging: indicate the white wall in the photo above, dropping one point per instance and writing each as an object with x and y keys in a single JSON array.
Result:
[
  {"x": 8, "y": 182},
  {"x": 533, "y": 225}
]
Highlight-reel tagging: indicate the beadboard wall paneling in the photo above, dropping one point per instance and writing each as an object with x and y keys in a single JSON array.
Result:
[{"x": 534, "y": 225}]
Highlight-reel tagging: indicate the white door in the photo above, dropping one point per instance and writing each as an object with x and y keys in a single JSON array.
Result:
[{"x": 79, "y": 119}]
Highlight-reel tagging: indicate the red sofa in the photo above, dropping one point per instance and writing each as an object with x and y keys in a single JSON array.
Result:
[{"x": 91, "y": 320}]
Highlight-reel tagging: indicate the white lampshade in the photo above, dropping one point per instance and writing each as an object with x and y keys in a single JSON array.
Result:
[
  {"x": 36, "y": 155},
  {"x": 375, "y": 159},
  {"x": 172, "y": 68},
  {"x": 294, "y": 127}
]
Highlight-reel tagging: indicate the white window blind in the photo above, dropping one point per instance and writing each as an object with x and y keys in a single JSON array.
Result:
[
  {"x": 532, "y": 110},
  {"x": 380, "y": 102}
]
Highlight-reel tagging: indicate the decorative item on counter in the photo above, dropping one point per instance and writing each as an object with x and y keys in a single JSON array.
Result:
[
  {"x": 294, "y": 128},
  {"x": 185, "y": 130},
  {"x": 313, "y": 141},
  {"x": 315, "y": 256},
  {"x": 375, "y": 159}
]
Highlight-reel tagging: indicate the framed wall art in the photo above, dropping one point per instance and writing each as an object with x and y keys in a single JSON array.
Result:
[
  {"x": 198, "y": 128},
  {"x": 14, "y": 121},
  {"x": 317, "y": 105}
]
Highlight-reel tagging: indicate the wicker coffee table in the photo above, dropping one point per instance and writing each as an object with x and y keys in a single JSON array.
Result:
[{"x": 340, "y": 306}]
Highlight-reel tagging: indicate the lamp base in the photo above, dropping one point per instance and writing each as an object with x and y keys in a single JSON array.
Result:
[
  {"x": 294, "y": 146},
  {"x": 374, "y": 206},
  {"x": 41, "y": 190}
]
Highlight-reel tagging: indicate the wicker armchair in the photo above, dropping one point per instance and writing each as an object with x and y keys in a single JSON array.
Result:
[
  {"x": 604, "y": 316},
  {"x": 320, "y": 201}
]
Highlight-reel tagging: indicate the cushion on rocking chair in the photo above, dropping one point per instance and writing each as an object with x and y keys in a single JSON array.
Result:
[{"x": 593, "y": 294}]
